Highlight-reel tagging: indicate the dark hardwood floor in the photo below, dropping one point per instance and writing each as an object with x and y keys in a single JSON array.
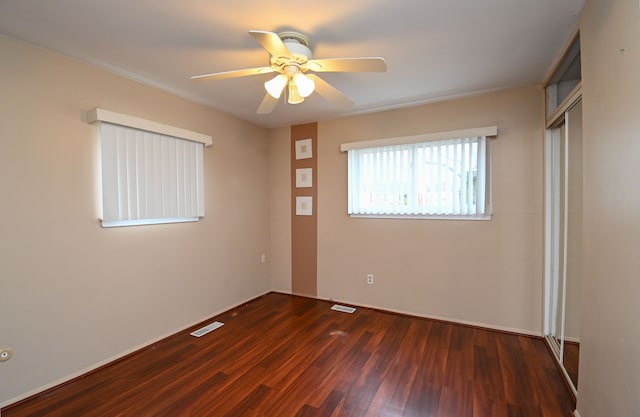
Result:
[
  {"x": 288, "y": 356},
  {"x": 571, "y": 360}
]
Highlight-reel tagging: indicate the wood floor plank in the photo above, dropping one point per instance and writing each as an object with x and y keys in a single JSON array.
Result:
[
  {"x": 517, "y": 381},
  {"x": 571, "y": 360},
  {"x": 287, "y": 356}
]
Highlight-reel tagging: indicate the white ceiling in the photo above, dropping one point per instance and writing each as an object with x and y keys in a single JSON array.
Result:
[{"x": 434, "y": 49}]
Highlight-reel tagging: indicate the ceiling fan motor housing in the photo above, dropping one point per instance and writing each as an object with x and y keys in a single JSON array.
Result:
[{"x": 298, "y": 46}]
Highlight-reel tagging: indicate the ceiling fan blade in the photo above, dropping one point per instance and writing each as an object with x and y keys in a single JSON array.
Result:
[
  {"x": 267, "y": 105},
  {"x": 271, "y": 42},
  {"x": 232, "y": 74},
  {"x": 329, "y": 92},
  {"x": 372, "y": 64}
]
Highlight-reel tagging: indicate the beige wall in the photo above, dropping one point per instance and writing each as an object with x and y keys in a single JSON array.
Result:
[
  {"x": 485, "y": 272},
  {"x": 280, "y": 198},
  {"x": 609, "y": 366},
  {"x": 73, "y": 294}
]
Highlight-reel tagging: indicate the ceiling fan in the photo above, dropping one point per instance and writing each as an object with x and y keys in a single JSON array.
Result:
[{"x": 290, "y": 57}]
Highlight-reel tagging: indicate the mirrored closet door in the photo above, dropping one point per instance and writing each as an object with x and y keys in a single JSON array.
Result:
[{"x": 564, "y": 239}]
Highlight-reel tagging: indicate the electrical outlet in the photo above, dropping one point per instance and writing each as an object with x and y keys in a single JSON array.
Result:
[
  {"x": 370, "y": 279},
  {"x": 263, "y": 258}
]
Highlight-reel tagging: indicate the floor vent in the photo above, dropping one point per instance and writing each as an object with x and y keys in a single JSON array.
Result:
[
  {"x": 344, "y": 309},
  {"x": 206, "y": 329}
]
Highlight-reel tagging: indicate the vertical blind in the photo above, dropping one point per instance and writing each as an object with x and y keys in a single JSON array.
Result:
[
  {"x": 434, "y": 178},
  {"x": 149, "y": 177}
]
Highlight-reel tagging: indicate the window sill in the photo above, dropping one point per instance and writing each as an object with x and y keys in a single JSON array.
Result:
[
  {"x": 144, "y": 222},
  {"x": 420, "y": 217}
]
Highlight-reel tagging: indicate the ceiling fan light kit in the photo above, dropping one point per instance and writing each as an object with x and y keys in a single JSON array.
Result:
[
  {"x": 291, "y": 75},
  {"x": 290, "y": 57}
]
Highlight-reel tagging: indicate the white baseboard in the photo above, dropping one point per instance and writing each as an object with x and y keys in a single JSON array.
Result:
[
  {"x": 118, "y": 356},
  {"x": 446, "y": 319}
]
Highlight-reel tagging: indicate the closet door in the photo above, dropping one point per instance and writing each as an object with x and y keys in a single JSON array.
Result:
[
  {"x": 573, "y": 274},
  {"x": 563, "y": 208},
  {"x": 563, "y": 236}
]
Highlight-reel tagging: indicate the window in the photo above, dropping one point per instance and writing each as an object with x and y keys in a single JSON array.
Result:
[
  {"x": 564, "y": 83},
  {"x": 427, "y": 176},
  {"x": 147, "y": 175}
]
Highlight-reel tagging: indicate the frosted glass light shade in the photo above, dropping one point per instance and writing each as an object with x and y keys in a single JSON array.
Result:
[
  {"x": 275, "y": 85},
  {"x": 304, "y": 84},
  {"x": 294, "y": 95}
]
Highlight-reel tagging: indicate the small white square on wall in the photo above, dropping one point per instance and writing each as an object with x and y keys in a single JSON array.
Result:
[
  {"x": 303, "y": 149},
  {"x": 304, "y": 177},
  {"x": 304, "y": 206}
]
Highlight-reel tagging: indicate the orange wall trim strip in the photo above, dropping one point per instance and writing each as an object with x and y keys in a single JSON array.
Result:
[{"x": 304, "y": 228}]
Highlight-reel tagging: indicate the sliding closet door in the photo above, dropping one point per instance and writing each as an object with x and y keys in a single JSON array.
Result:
[
  {"x": 563, "y": 221},
  {"x": 571, "y": 347},
  {"x": 555, "y": 235}
]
